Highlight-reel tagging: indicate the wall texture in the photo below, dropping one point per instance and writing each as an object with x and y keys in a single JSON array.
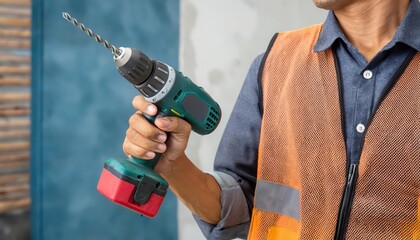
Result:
[
  {"x": 80, "y": 110},
  {"x": 219, "y": 40}
]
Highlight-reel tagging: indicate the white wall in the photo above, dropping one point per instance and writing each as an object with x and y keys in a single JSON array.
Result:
[{"x": 219, "y": 40}]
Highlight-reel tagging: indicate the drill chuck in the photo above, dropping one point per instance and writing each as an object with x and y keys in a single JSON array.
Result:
[
  {"x": 151, "y": 78},
  {"x": 134, "y": 65}
]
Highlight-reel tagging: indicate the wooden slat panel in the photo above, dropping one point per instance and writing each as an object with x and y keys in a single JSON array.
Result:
[
  {"x": 14, "y": 196},
  {"x": 15, "y": 81},
  {"x": 26, "y": 3},
  {"x": 15, "y": 69},
  {"x": 14, "y": 157},
  {"x": 21, "y": 187},
  {"x": 15, "y": 11},
  {"x": 14, "y": 111},
  {"x": 9, "y": 58},
  {"x": 14, "y": 146},
  {"x": 15, "y": 97},
  {"x": 15, "y": 43},
  {"x": 13, "y": 171},
  {"x": 14, "y": 134},
  {"x": 14, "y": 122},
  {"x": 14, "y": 178},
  {"x": 19, "y": 22},
  {"x": 14, "y": 164},
  {"x": 20, "y": 33},
  {"x": 14, "y": 204},
  {"x": 14, "y": 192}
]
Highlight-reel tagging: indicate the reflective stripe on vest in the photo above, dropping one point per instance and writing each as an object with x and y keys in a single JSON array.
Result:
[{"x": 277, "y": 198}]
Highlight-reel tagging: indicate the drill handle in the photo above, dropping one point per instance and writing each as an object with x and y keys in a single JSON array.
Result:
[
  {"x": 152, "y": 162},
  {"x": 149, "y": 163}
]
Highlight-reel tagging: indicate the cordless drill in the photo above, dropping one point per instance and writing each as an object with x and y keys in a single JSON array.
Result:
[{"x": 132, "y": 182}]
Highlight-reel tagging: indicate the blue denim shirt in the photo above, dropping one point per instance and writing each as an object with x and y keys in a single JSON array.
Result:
[{"x": 362, "y": 85}]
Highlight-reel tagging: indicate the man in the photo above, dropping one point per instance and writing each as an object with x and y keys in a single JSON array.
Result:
[{"x": 323, "y": 140}]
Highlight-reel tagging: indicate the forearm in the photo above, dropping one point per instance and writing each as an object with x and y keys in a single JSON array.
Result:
[{"x": 197, "y": 190}]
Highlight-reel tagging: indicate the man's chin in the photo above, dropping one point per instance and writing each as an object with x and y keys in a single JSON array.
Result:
[{"x": 327, "y": 4}]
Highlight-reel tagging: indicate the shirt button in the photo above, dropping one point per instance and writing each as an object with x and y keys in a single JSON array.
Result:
[
  {"x": 367, "y": 74},
  {"x": 360, "y": 128}
]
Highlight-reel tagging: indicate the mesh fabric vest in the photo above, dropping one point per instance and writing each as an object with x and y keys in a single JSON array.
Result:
[{"x": 302, "y": 150}]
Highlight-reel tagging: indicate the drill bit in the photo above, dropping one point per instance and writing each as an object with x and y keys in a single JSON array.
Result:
[{"x": 115, "y": 51}]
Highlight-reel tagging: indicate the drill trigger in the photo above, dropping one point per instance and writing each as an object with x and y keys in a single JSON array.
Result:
[
  {"x": 145, "y": 188},
  {"x": 152, "y": 119}
]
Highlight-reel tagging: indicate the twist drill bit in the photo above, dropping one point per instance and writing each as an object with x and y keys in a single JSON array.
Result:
[{"x": 115, "y": 51}]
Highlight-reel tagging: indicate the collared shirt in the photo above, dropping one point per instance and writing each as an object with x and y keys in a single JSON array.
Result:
[{"x": 362, "y": 84}]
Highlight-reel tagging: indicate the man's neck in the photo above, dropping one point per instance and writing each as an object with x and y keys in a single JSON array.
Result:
[{"x": 370, "y": 25}]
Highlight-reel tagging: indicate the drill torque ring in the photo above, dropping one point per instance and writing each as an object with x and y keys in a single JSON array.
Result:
[{"x": 115, "y": 51}]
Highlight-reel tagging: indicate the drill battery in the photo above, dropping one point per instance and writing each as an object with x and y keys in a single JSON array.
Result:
[{"x": 131, "y": 187}]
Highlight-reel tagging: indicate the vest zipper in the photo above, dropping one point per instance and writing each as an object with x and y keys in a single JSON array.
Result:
[
  {"x": 347, "y": 199},
  {"x": 352, "y": 169}
]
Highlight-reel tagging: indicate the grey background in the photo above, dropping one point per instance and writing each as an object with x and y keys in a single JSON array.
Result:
[{"x": 219, "y": 40}]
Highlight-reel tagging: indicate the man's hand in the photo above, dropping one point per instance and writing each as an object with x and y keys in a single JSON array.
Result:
[
  {"x": 143, "y": 139},
  {"x": 197, "y": 190}
]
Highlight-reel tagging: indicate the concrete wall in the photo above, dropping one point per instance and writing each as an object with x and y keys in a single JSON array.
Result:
[{"x": 219, "y": 40}]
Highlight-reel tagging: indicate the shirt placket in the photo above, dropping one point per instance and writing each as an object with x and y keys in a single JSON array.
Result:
[{"x": 363, "y": 102}]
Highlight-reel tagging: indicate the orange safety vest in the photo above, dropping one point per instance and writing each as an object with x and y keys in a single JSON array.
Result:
[{"x": 302, "y": 168}]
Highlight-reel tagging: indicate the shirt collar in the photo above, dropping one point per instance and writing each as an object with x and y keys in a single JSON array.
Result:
[
  {"x": 330, "y": 32},
  {"x": 409, "y": 31},
  {"x": 406, "y": 33}
]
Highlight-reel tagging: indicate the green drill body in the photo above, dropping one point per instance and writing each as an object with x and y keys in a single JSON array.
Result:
[{"x": 186, "y": 100}]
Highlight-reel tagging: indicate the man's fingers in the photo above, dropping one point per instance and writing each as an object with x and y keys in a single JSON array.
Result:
[
  {"x": 136, "y": 138},
  {"x": 136, "y": 151},
  {"x": 144, "y": 106},
  {"x": 173, "y": 125},
  {"x": 145, "y": 128}
]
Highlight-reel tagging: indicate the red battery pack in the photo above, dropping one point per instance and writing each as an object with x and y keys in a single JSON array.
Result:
[{"x": 122, "y": 193}]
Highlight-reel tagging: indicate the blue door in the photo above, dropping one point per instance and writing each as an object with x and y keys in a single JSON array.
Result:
[{"x": 80, "y": 109}]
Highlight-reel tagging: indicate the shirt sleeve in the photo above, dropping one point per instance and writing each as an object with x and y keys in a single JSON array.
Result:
[{"x": 235, "y": 164}]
